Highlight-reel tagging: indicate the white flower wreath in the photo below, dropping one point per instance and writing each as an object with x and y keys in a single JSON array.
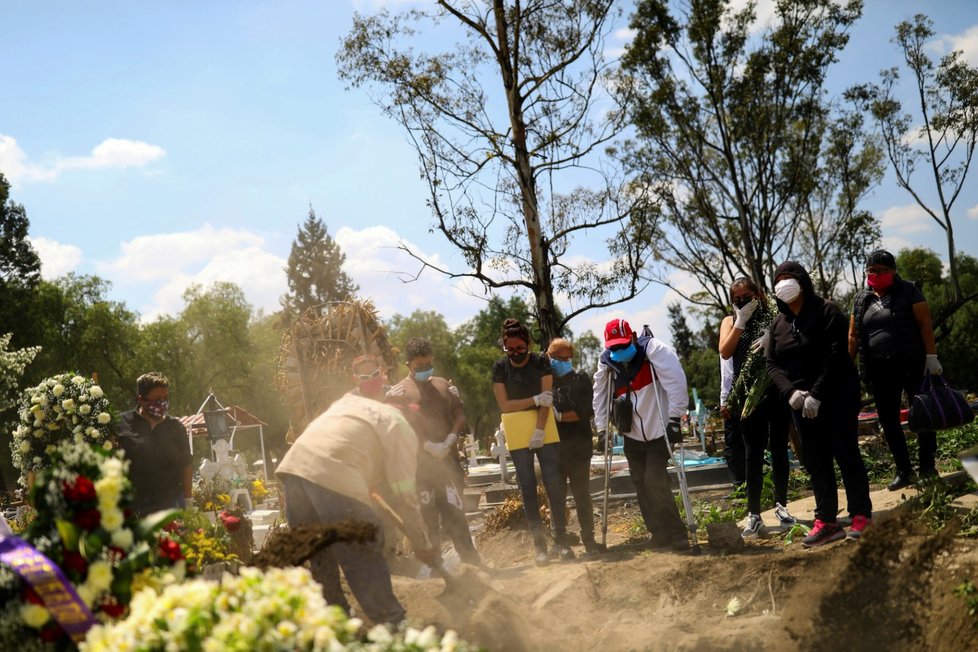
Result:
[{"x": 66, "y": 406}]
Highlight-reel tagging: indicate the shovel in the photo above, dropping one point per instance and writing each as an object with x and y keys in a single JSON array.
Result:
[{"x": 464, "y": 580}]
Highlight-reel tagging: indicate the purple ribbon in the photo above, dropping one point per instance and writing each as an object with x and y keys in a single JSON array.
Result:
[{"x": 50, "y": 584}]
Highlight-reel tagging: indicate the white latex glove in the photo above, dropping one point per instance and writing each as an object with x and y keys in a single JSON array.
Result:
[
  {"x": 450, "y": 440},
  {"x": 757, "y": 344},
  {"x": 797, "y": 400},
  {"x": 933, "y": 365},
  {"x": 453, "y": 390},
  {"x": 536, "y": 441},
  {"x": 396, "y": 391},
  {"x": 558, "y": 416},
  {"x": 743, "y": 315},
  {"x": 810, "y": 410},
  {"x": 544, "y": 399},
  {"x": 436, "y": 449}
]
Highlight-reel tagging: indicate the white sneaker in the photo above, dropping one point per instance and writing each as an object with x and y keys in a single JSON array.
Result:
[
  {"x": 784, "y": 517},
  {"x": 754, "y": 524}
]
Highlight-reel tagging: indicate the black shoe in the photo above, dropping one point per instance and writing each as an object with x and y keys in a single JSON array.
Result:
[
  {"x": 672, "y": 544},
  {"x": 900, "y": 481},
  {"x": 928, "y": 473}
]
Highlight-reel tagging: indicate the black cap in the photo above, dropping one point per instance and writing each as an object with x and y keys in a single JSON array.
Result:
[{"x": 881, "y": 257}]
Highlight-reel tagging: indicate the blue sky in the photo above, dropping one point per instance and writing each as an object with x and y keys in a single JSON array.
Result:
[{"x": 163, "y": 144}]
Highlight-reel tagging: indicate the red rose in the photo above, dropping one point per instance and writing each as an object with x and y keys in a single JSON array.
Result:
[
  {"x": 31, "y": 597},
  {"x": 81, "y": 490},
  {"x": 113, "y": 610},
  {"x": 231, "y": 523},
  {"x": 52, "y": 632},
  {"x": 171, "y": 550},
  {"x": 75, "y": 562},
  {"x": 88, "y": 519}
]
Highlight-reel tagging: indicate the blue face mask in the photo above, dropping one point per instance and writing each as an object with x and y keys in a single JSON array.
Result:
[
  {"x": 422, "y": 376},
  {"x": 623, "y": 355},
  {"x": 561, "y": 367}
]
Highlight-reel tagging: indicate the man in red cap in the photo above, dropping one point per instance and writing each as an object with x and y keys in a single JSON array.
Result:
[{"x": 636, "y": 378}]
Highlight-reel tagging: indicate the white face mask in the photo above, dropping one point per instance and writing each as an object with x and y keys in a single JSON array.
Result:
[{"x": 787, "y": 290}]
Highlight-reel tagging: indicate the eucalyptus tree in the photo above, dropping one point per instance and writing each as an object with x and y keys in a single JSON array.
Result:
[
  {"x": 734, "y": 138},
  {"x": 511, "y": 126}
]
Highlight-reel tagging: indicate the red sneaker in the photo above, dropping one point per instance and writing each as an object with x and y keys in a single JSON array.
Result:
[
  {"x": 859, "y": 525},
  {"x": 822, "y": 533}
]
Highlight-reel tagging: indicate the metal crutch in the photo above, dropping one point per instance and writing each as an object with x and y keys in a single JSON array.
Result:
[
  {"x": 680, "y": 468},
  {"x": 607, "y": 461}
]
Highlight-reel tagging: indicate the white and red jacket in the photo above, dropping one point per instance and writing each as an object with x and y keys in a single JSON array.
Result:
[{"x": 638, "y": 380}]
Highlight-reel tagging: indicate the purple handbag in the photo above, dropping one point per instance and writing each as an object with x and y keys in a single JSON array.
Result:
[{"x": 938, "y": 407}]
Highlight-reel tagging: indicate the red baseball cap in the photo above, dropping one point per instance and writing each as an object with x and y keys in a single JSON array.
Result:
[{"x": 616, "y": 332}]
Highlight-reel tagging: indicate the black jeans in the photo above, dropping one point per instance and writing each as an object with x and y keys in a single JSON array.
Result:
[
  {"x": 766, "y": 427},
  {"x": 575, "y": 466},
  {"x": 526, "y": 478},
  {"x": 440, "y": 498},
  {"x": 647, "y": 462},
  {"x": 889, "y": 381},
  {"x": 834, "y": 435},
  {"x": 363, "y": 564},
  {"x": 734, "y": 451}
]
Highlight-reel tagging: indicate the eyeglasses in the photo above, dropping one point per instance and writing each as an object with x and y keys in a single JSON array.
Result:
[
  {"x": 518, "y": 351},
  {"x": 620, "y": 347},
  {"x": 366, "y": 377}
]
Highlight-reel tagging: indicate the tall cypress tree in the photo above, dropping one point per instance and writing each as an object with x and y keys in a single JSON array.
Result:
[
  {"x": 20, "y": 267},
  {"x": 315, "y": 271}
]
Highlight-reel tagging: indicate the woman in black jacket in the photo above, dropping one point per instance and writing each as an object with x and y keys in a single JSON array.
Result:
[
  {"x": 891, "y": 329},
  {"x": 808, "y": 361}
]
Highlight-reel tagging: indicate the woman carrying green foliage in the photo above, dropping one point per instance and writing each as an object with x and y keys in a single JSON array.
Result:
[{"x": 753, "y": 403}]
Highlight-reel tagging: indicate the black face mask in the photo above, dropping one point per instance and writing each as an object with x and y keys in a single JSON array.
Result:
[
  {"x": 743, "y": 301},
  {"x": 518, "y": 358}
]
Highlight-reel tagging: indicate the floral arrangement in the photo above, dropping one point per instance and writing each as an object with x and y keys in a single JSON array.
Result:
[
  {"x": 212, "y": 495},
  {"x": 752, "y": 382},
  {"x": 83, "y": 524},
  {"x": 279, "y": 609},
  {"x": 201, "y": 542},
  {"x": 66, "y": 406},
  {"x": 258, "y": 491}
]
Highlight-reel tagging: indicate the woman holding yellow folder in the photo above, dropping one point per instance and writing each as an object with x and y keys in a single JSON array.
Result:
[{"x": 523, "y": 383}]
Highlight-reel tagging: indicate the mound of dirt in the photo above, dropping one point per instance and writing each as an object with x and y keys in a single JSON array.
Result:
[{"x": 893, "y": 590}]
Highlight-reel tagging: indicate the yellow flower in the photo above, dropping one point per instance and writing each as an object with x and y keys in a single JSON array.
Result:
[
  {"x": 34, "y": 615},
  {"x": 112, "y": 519},
  {"x": 100, "y": 575}
]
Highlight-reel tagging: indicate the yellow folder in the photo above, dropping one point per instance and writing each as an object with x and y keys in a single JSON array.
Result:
[{"x": 519, "y": 427}]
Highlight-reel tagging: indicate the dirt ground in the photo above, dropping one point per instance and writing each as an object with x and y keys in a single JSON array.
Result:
[{"x": 893, "y": 591}]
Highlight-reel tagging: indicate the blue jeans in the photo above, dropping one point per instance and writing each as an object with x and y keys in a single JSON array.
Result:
[
  {"x": 363, "y": 564},
  {"x": 549, "y": 456}
]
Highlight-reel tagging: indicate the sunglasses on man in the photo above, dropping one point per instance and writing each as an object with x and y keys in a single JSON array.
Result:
[{"x": 366, "y": 377}]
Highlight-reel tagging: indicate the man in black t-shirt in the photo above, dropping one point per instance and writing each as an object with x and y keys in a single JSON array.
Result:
[{"x": 157, "y": 449}]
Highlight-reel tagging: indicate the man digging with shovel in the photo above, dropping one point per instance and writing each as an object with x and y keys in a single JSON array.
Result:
[{"x": 356, "y": 449}]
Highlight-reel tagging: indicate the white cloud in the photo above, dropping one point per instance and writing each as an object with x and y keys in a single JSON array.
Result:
[
  {"x": 626, "y": 34},
  {"x": 57, "y": 259},
  {"x": 384, "y": 274},
  {"x": 966, "y": 41},
  {"x": 905, "y": 220},
  {"x": 159, "y": 256},
  {"x": 111, "y": 153},
  {"x": 764, "y": 13},
  {"x": 973, "y": 212},
  {"x": 260, "y": 275}
]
